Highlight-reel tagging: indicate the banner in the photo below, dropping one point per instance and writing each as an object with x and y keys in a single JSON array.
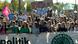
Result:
[
  {"x": 43, "y": 38},
  {"x": 41, "y": 11}
]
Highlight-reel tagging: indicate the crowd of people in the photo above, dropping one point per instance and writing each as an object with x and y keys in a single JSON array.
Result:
[{"x": 32, "y": 23}]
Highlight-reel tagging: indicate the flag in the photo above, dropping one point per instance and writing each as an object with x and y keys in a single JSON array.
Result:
[
  {"x": 5, "y": 11},
  {"x": 13, "y": 6}
]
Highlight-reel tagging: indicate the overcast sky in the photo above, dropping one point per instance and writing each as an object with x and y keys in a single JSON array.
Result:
[{"x": 66, "y": 1}]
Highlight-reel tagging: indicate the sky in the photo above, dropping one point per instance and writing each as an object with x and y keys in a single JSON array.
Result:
[
  {"x": 64, "y": 1},
  {"x": 38, "y": 0},
  {"x": 9, "y": 1}
]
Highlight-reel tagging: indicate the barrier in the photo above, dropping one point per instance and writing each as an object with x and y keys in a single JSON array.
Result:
[{"x": 43, "y": 38}]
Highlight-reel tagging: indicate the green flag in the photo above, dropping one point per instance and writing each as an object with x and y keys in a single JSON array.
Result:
[
  {"x": 13, "y": 6},
  {"x": 28, "y": 7}
]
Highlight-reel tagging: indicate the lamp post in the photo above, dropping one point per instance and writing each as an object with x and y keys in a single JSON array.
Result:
[
  {"x": 19, "y": 6},
  {"x": 75, "y": 10},
  {"x": 75, "y": 5}
]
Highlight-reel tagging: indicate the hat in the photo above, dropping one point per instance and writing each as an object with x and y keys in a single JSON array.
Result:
[
  {"x": 13, "y": 21},
  {"x": 29, "y": 16},
  {"x": 63, "y": 22},
  {"x": 1, "y": 17},
  {"x": 35, "y": 22},
  {"x": 4, "y": 20},
  {"x": 25, "y": 21},
  {"x": 49, "y": 20},
  {"x": 41, "y": 18},
  {"x": 51, "y": 25},
  {"x": 59, "y": 23}
]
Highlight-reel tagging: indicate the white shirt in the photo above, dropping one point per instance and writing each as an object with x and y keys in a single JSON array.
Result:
[{"x": 22, "y": 17}]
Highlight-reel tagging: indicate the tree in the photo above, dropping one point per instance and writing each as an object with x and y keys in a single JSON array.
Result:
[
  {"x": 14, "y": 4},
  {"x": 28, "y": 7},
  {"x": 1, "y": 6},
  {"x": 58, "y": 7}
]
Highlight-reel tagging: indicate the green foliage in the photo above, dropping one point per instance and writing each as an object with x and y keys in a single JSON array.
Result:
[
  {"x": 58, "y": 6},
  {"x": 1, "y": 6},
  {"x": 29, "y": 7},
  {"x": 14, "y": 5},
  {"x": 75, "y": 7}
]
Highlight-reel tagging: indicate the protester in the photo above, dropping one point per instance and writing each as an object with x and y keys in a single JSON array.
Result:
[
  {"x": 14, "y": 27},
  {"x": 3, "y": 27},
  {"x": 28, "y": 23},
  {"x": 35, "y": 28},
  {"x": 71, "y": 28},
  {"x": 25, "y": 27},
  {"x": 43, "y": 27},
  {"x": 11, "y": 16},
  {"x": 76, "y": 26},
  {"x": 22, "y": 17}
]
